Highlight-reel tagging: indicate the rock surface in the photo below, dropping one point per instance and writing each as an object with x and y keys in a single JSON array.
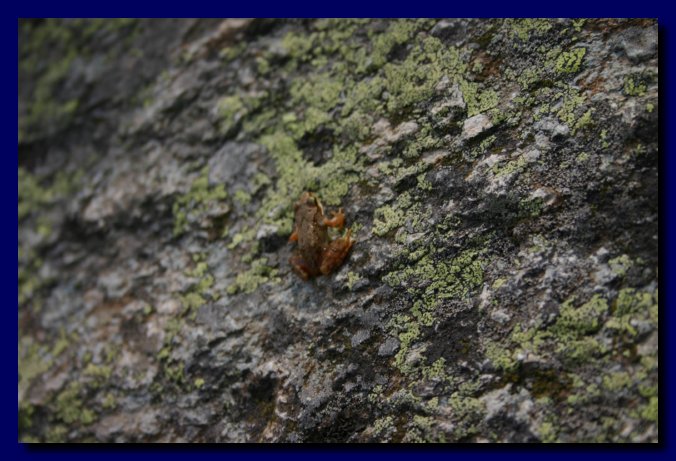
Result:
[{"x": 500, "y": 178}]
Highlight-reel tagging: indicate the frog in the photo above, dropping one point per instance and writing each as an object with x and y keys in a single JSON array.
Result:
[{"x": 316, "y": 254}]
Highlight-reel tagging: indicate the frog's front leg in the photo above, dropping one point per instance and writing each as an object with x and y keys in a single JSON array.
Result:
[
  {"x": 335, "y": 253},
  {"x": 337, "y": 221}
]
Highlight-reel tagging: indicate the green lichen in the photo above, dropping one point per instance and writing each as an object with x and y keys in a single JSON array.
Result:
[
  {"x": 262, "y": 121},
  {"x": 171, "y": 330},
  {"x": 262, "y": 65},
  {"x": 56, "y": 433},
  {"x": 319, "y": 91},
  {"x": 414, "y": 79},
  {"x": 241, "y": 237},
  {"x": 483, "y": 146},
  {"x": 617, "y": 381},
  {"x": 620, "y": 265},
  {"x": 61, "y": 344},
  {"x": 531, "y": 207},
  {"x": 175, "y": 372},
  {"x": 199, "y": 200},
  {"x": 547, "y": 432},
  {"x": 422, "y": 430},
  {"x": 403, "y": 211},
  {"x": 633, "y": 86},
  {"x": 192, "y": 301},
  {"x": 376, "y": 394},
  {"x": 510, "y": 167},
  {"x": 364, "y": 97},
  {"x": 198, "y": 292},
  {"x": 99, "y": 374},
  {"x": 571, "y": 334},
  {"x": 230, "y": 110},
  {"x": 425, "y": 140},
  {"x": 528, "y": 76},
  {"x": 430, "y": 282},
  {"x": 356, "y": 127},
  {"x": 34, "y": 196},
  {"x": 649, "y": 107},
  {"x": 631, "y": 305},
  {"x": 572, "y": 339},
  {"x": 500, "y": 356},
  {"x": 199, "y": 383},
  {"x": 569, "y": 62},
  {"x": 584, "y": 121},
  {"x": 31, "y": 195},
  {"x": 529, "y": 339},
  {"x": 398, "y": 33},
  {"x": 69, "y": 407},
  {"x": 109, "y": 401},
  {"x": 410, "y": 333},
  {"x": 578, "y": 24},
  {"x": 631, "y": 302},
  {"x": 230, "y": 53},
  {"x": 352, "y": 279},
  {"x": 450, "y": 278},
  {"x": 383, "y": 427},
  {"x": 541, "y": 111},
  {"x": 582, "y": 320},
  {"x": 498, "y": 283},
  {"x": 309, "y": 122},
  {"x": 477, "y": 101},
  {"x": 468, "y": 409},
  {"x": 522, "y": 28},
  {"x": 386, "y": 219},
  {"x": 298, "y": 46},
  {"x": 647, "y": 390},
  {"x": 423, "y": 183},
  {"x": 34, "y": 360},
  {"x": 436, "y": 372},
  {"x": 571, "y": 105},
  {"x": 259, "y": 273},
  {"x": 650, "y": 412}
]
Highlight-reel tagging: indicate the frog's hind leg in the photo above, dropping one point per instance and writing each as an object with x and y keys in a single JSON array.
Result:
[
  {"x": 300, "y": 267},
  {"x": 335, "y": 253}
]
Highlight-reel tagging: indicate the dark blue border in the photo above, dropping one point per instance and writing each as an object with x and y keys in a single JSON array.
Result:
[
  {"x": 576, "y": 8},
  {"x": 348, "y": 8}
]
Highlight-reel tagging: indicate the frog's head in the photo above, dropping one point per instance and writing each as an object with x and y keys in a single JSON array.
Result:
[{"x": 309, "y": 201}]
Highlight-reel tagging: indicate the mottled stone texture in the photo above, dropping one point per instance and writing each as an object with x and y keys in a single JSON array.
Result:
[{"x": 500, "y": 178}]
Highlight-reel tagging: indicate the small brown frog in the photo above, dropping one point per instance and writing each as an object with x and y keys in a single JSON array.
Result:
[{"x": 316, "y": 253}]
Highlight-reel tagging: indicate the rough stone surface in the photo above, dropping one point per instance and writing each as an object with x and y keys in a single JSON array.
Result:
[
  {"x": 474, "y": 126},
  {"x": 500, "y": 178}
]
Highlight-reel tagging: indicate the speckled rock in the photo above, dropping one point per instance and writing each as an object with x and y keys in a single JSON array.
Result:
[{"x": 499, "y": 178}]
